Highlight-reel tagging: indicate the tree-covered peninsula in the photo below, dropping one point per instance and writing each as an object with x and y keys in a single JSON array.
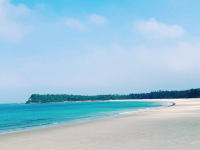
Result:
[{"x": 36, "y": 98}]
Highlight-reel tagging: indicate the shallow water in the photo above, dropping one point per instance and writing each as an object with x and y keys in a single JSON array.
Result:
[{"x": 15, "y": 118}]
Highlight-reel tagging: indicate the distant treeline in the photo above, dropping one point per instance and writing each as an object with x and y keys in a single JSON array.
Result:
[{"x": 36, "y": 98}]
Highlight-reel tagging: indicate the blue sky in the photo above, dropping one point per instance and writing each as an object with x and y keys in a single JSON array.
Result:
[{"x": 97, "y": 47}]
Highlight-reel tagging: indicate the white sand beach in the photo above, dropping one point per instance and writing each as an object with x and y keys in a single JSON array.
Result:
[{"x": 172, "y": 128}]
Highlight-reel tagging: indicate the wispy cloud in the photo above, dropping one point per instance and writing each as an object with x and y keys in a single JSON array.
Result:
[
  {"x": 108, "y": 67},
  {"x": 159, "y": 29},
  {"x": 75, "y": 24},
  {"x": 97, "y": 19},
  {"x": 10, "y": 26}
]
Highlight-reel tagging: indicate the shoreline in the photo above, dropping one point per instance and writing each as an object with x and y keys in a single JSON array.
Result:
[
  {"x": 98, "y": 101},
  {"x": 121, "y": 114},
  {"x": 174, "y": 127}
]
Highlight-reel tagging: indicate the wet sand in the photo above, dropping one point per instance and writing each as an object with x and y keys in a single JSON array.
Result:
[{"x": 172, "y": 128}]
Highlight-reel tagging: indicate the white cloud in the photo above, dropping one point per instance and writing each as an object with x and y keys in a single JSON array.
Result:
[
  {"x": 183, "y": 58},
  {"x": 159, "y": 29},
  {"x": 109, "y": 67},
  {"x": 75, "y": 24},
  {"x": 97, "y": 19},
  {"x": 10, "y": 26}
]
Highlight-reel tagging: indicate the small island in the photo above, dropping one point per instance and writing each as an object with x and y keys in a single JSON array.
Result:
[{"x": 59, "y": 98}]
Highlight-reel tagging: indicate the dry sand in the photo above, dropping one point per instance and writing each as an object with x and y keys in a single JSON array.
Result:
[{"x": 173, "y": 128}]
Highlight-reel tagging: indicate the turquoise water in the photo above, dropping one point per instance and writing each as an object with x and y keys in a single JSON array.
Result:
[{"x": 26, "y": 117}]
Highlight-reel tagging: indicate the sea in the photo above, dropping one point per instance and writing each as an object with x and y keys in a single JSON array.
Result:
[{"x": 23, "y": 117}]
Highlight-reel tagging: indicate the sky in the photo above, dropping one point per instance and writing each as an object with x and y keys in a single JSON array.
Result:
[{"x": 97, "y": 47}]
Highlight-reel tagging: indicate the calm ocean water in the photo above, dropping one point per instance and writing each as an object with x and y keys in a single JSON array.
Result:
[{"x": 14, "y": 118}]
